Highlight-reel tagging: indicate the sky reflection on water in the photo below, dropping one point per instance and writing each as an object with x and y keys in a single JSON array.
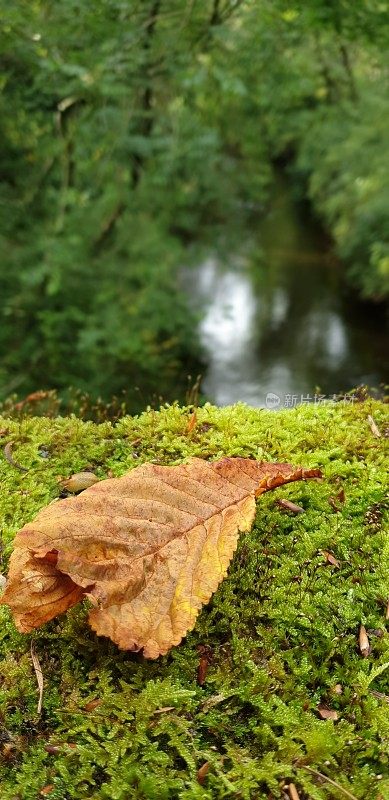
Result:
[{"x": 280, "y": 323}]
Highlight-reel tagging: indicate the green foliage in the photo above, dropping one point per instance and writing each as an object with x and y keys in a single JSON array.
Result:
[
  {"x": 322, "y": 100},
  {"x": 348, "y": 187},
  {"x": 130, "y": 129},
  {"x": 111, "y": 143},
  {"x": 282, "y": 628}
]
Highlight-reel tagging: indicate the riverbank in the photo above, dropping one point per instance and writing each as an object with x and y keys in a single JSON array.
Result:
[{"x": 288, "y": 696}]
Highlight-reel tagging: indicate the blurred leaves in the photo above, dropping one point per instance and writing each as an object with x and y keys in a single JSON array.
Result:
[{"x": 130, "y": 130}]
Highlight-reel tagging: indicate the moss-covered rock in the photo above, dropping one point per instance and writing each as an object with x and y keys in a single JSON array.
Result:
[{"x": 280, "y": 635}]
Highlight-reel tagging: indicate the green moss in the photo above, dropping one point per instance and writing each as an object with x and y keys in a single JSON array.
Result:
[{"x": 282, "y": 629}]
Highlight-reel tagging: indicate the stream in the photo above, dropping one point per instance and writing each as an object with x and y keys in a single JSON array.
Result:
[{"x": 276, "y": 323}]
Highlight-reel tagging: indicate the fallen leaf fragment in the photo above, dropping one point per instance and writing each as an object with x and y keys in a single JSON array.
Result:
[
  {"x": 341, "y": 496},
  {"x": 79, "y": 481},
  {"x": 47, "y": 789},
  {"x": 330, "y": 558},
  {"x": 327, "y": 713},
  {"x": 373, "y": 427},
  {"x": 364, "y": 644},
  {"x": 92, "y": 704},
  {"x": 203, "y": 772},
  {"x": 151, "y": 547},
  {"x": 338, "y": 498},
  {"x": 289, "y": 506},
  {"x": 337, "y": 689}
]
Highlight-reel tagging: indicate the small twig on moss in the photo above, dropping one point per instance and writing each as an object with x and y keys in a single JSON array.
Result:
[
  {"x": 293, "y": 793},
  {"x": 289, "y": 506},
  {"x": 8, "y": 454},
  {"x": 329, "y": 780},
  {"x": 39, "y": 676}
]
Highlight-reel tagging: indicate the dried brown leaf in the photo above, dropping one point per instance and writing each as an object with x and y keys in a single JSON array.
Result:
[
  {"x": 53, "y": 749},
  {"x": 203, "y": 772},
  {"x": 330, "y": 559},
  {"x": 341, "y": 496},
  {"x": 47, "y": 789},
  {"x": 92, "y": 704},
  {"x": 151, "y": 547},
  {"x": 327, "y": 713},
  {"x": 364, "y": 644},
  {"x": 337, "y": 689},
  {"x": 79, "y": 481}
]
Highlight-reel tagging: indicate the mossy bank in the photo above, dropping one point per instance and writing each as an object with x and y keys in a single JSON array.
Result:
[{"x": 280, "y": 635}]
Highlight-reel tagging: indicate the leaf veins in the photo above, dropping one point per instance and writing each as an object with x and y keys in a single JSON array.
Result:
[{"x": 149, "y": 548}]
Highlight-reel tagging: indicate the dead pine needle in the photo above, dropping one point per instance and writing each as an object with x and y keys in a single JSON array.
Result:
[
  {"x": 374, "y": 427},
  {"x": 380, "y": 696},
  {"x": 8, "y": 455},
  {"x": 192, "y": 422},
  {"x": 329, "y": 780},
  {"x": 39, "y": 676}
]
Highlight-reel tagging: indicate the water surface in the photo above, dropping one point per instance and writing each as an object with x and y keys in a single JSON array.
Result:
[{"x": 276, "y": 320}]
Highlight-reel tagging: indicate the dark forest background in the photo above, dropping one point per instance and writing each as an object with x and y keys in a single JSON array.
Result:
[{"x": 130, "y": 129}]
